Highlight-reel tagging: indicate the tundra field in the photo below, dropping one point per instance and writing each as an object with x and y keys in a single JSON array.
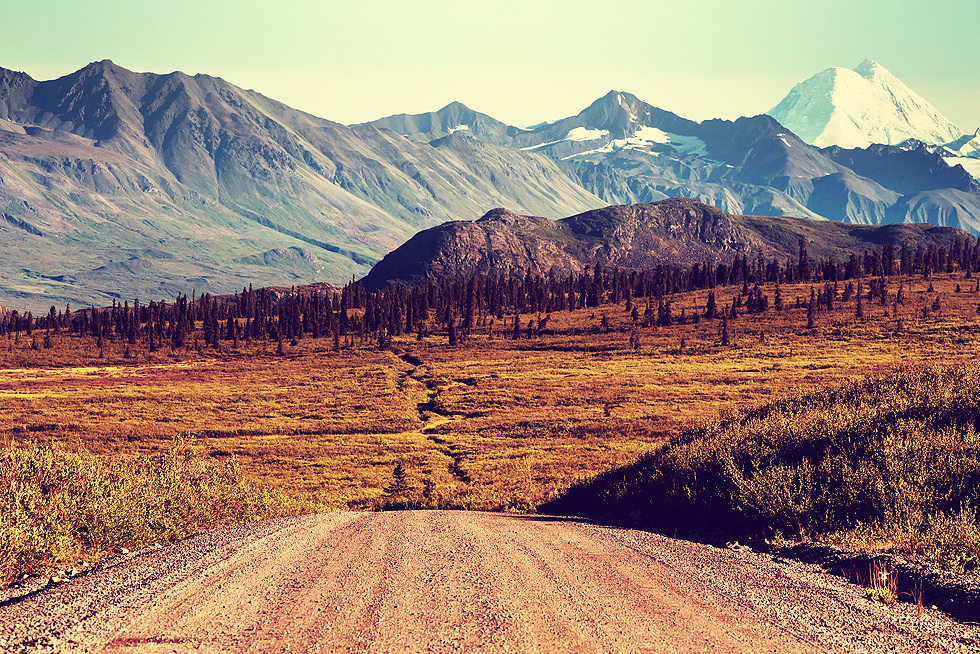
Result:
[{"x": 493, "y": 422}]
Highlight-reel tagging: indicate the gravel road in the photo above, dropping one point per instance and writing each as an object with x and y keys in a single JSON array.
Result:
[{"x": 439, "y": 581}]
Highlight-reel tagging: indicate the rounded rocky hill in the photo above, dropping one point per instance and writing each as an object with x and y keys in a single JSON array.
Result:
[{"x": 676, "y": 231}]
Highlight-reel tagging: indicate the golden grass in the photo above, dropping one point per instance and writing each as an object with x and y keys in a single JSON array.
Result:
[
  {"x": 59, "y": 508},
  {"x": 492, "y": 423}
]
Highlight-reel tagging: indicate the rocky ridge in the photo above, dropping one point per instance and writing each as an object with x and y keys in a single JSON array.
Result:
[
  {"x": 676, "y": 231},
  {"x": 103, "y": 168}
]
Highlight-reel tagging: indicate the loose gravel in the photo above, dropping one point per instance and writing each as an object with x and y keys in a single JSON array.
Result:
[{"x": 437, "y": 581}]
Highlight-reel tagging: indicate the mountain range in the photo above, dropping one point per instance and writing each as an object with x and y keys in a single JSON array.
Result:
[
  {"x": 624, "y": 150},
  {"x": 116, "y": 184}
]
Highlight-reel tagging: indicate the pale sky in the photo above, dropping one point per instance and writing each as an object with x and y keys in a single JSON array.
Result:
[{"x": 522, "y": 62}]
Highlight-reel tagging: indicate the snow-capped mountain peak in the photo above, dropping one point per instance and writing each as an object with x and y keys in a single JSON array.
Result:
[{"x": 855, "y": 108}]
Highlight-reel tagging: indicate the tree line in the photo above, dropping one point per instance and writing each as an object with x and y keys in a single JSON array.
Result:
[{"x": 459, "y": 305}]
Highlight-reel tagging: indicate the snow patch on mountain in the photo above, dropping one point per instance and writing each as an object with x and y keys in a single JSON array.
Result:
[
  {"x": 971, "y": 164},
  {"x": 855, "y": 108},
  {"x": 574, "y": 134},
  {"x": 585, "y": 134},
  {"x": 459, "y": 128},
  {"x": 653, "y": 135},
  {"x": 540, "y": 146},
  {"x": 646, "y": 136}
]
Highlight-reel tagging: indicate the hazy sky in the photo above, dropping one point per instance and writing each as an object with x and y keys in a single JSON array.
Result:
[{"x": 522, "y": 62}]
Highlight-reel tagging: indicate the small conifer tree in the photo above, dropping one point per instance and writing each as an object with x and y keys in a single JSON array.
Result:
[
  {"x": 452, "y": 332},
  {"x": 711, "y": 310}
]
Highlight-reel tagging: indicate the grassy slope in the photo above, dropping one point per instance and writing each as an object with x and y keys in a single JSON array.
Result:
[{"x": 891, "y": 459}]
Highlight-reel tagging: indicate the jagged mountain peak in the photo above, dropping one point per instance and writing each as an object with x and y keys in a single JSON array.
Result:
[
  {"x": 8, "y": 76},
  {"x": 433, "y": 126},
  {"x": 614, "y": 120},
  {"x": 855, "y": 108},
  {"x": 622, "y": 99},
  {"x": 455, "y": 105},
  {"x": 618, "y": 113},
  {"x": 15, "y": 91},
  {"x": 877, "y": 74},
  {"x": 108, "y": 73},
  {"x": 758, "y": 126},
  {"x": 103, "y": 65}
]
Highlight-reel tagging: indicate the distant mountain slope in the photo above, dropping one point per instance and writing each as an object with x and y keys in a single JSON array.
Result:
[
  {"x": 860, "y": 107},
  {"x": 454, "y": 117},
  {"x": 103, "y": 170},
  {"x": 931, "y": 191},
  {"x": 967, "y": 145},
  {"x": 964, "y": 151},
  {"x": 641, "y": 236}
]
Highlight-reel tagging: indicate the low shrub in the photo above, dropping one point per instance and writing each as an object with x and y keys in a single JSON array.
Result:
[{"x": 58, "y": 507}]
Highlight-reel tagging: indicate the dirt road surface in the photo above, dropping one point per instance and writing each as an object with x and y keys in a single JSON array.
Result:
[{"x": 438, "y": 581}]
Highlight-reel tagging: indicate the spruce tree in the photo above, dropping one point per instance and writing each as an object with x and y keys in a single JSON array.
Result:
[
  {"x": 664, "y": 317},
  {"x": 711, "y": 310},
  {"x": 804, "y": 262}
]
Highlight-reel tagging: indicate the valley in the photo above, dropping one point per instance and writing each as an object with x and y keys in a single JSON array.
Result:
[
  {"x": 490, "y": 423},
  {"x": 380, "y": 420},
  {"x": 452, "y": 383}
]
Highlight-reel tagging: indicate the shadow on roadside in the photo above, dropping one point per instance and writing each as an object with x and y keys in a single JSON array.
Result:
[{"x": 605, "y": 502}]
